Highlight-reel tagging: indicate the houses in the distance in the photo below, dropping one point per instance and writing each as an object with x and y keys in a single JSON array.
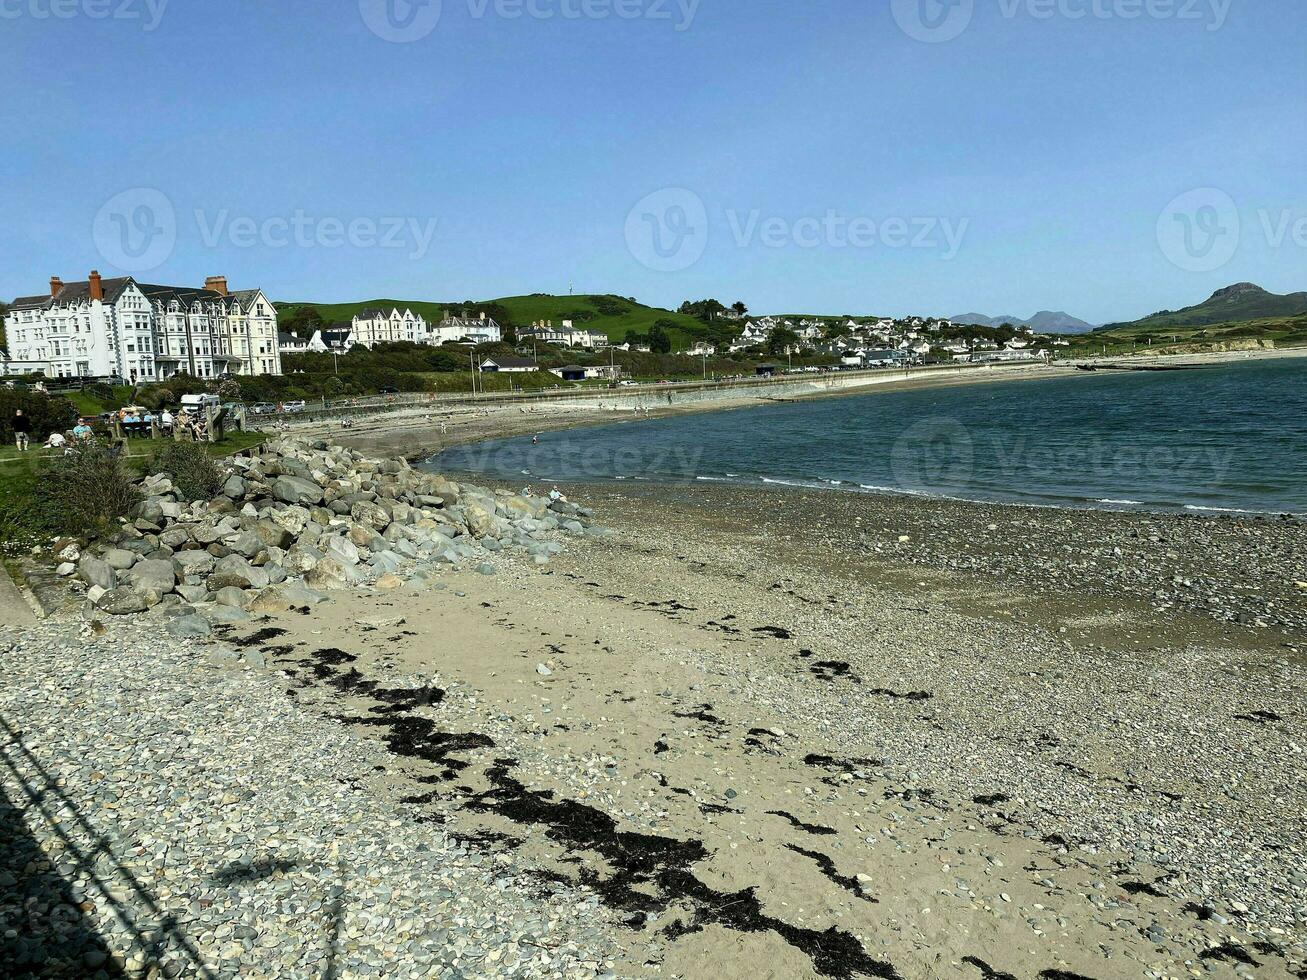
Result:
[
  {"x": 121, "y": 328},
  {"x": 374, "y": 326},
  {"x": 564, "y": 335},
  {"x": 480, "y": 329}
]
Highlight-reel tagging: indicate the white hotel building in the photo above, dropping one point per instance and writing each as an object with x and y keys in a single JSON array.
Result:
[{"x": 139, "y": 332}]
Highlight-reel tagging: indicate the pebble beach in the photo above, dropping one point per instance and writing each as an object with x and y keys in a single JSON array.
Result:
[{"x": 695, "y": 732}]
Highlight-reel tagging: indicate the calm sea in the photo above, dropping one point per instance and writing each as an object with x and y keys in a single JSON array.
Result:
[{"x": 1229, "y": 438}]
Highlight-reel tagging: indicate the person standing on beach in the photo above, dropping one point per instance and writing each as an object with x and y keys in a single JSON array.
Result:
[{"x": 22, "y": 430}]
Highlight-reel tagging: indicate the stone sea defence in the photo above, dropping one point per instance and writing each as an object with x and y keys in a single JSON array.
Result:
[{"x": 294, "y": 521}]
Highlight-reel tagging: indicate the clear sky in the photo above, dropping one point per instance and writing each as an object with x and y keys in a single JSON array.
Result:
[{"x": 800, "y": 155}]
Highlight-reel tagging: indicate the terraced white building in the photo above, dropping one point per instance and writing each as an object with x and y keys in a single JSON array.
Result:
[{"x": 101, "y": 328}]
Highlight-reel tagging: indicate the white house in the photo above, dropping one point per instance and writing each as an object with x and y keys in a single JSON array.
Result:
[
  {"x": 376, "y": 326},
  {"x": 478, "y": 330},
  {"x": 702, "y": 349},
  {"x": 509, "y": 365},
  {"x": 142, "y": 332},
  {"x": 566, "y": 335}
]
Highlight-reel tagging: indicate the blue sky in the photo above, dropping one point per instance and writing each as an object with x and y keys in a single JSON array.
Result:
[{"x": 801, "y": 155}]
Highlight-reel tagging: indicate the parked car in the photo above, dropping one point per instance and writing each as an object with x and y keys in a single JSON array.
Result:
[
  {"x": 296, "y": 406},
  {"x": 263, "y": 408},
  {"x": 388, "y": 390}
]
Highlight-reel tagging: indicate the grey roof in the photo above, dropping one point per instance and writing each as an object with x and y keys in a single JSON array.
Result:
[
  {"x": 372, "y": 313},
  {"x": 510, "y": 361},
  {"x": 468, "y": 321},
  {"x": 73, "y": 292},
  {"x": 30, "y": 302}
]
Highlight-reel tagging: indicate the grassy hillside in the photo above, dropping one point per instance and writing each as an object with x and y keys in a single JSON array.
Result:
[
  {"x": 1141, "y": 336},
  {"x": 1241, "y": 302},
  {"x": 613, "y": 315}
]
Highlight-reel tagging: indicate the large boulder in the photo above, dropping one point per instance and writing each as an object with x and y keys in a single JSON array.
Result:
[
  {"x": 302, "y": 558},
  {"x": 292, "y": 518},
  {"x": 480, "y": 522},
  {"x": 296, "y": 490},
  {"x": 370, "y": 514},
  {"x": 120, "y": 559},
  {"x": 234, "y": 571},
  {"x": 194, "y": 562},
  {"x": 234, "y": 487},
  {"x": 331, "y": 574},
  {"x": 125, "y": 601},
  {"x": 95, "y": 572},
  {"x": 342, "y": 549},
  {"x": 247, "y": 543},
  {"x": 236, "y": 598},
  {"x": 155, "y": 575},
  {"x": 272, "y": 534}
]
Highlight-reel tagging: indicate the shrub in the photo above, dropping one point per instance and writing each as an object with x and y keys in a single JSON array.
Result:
[
  {"x": 25, "y": 518},
  {"x": 46, "y": 413},
  {"x": 89, "y": 489},
  {"x": 193, "y": 471}
]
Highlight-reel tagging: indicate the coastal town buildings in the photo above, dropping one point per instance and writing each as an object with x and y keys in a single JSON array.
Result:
[
  {"x": 565, "y": 335},
  {"x": 480, "y": 329},
  {"x": 376, "y": 326},
  {"x": 119, "y": 328}
]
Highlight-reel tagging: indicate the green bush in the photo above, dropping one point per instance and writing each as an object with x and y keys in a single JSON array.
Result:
[
  {"x": 193, "y": 471},
  {"x": 26, "y": 519},
  {"x": 47, "y": 413},
  {"x": 89, "y": 489}
]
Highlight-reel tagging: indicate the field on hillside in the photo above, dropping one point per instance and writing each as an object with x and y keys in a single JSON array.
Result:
[
  {"x": 1136, "y": 338},
  {"x": 613, "y": 315}
]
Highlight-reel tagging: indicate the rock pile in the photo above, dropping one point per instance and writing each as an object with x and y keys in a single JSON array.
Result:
[{"x": 295, "y": 521}]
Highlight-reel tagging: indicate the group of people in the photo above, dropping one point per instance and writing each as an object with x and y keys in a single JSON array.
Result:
[
  {"x": 131, "y": 421},
  {"x": 21, "y": 424}
]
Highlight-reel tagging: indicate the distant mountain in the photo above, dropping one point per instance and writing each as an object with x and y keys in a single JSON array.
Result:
[
  {"x": 1045, "y": 321},
  {"x": 1242, "y": 301}
]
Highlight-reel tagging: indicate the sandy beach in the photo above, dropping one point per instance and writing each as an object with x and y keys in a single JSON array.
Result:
[
  {"x": 776, "y": 756},
  {"x": 719, "y": 731}
]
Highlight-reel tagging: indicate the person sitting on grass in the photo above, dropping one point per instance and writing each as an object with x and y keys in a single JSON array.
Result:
[
  {"x": 56, "y": 440},
  {"x": 81, "y": 431},
  {"x": 22, "y": 427}
]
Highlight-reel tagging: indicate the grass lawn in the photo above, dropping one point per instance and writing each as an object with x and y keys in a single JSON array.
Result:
[
  {"x": 11, "y": 460},
  {"x": 89, "y": 405}
]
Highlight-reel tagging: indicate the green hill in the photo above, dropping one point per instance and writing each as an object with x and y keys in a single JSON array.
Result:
[
  {"x": 614, "y": 315},
  {"x": 1233, "y": 335},
  {"x": 1241, "y": 302}
]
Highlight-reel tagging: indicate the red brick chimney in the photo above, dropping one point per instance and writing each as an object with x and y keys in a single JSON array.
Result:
[
  {"x": 97, "y": 287},
  {"x": 56, "y": 284},
  {"x": 217, "y": 283}
]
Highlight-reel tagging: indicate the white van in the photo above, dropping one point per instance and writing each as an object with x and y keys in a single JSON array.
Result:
[{"x": 198, "y": 403}]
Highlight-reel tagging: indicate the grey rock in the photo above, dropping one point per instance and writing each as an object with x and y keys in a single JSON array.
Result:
[
  {"x": 94, "y": 571},
  {"x": 297, "y": 490}
]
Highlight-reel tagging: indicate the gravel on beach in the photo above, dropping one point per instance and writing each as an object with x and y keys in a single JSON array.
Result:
[{"x": 168, "y": 810}]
